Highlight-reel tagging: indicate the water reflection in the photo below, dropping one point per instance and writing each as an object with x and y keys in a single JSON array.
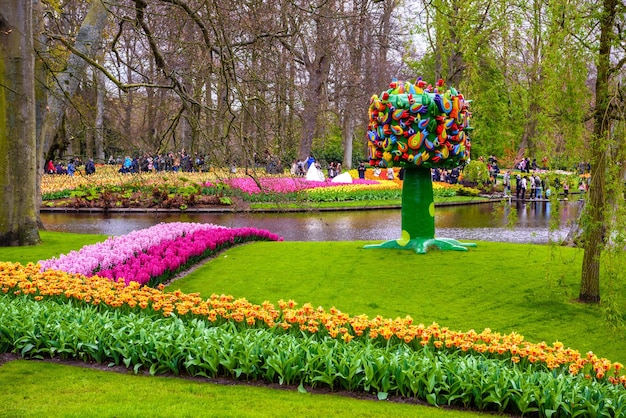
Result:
[{"x": 503, "y": 222}]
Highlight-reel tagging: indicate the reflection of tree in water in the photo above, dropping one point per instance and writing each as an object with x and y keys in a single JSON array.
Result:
[
  {"x": 507, "y": 212},
  {"x": 466, "y": 216}
]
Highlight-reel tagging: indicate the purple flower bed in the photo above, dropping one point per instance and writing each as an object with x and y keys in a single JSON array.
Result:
[
  {"x": 282, "y": 184},
  {"x": 151, "y": 256}
]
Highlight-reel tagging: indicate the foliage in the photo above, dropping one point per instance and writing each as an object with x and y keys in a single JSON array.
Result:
[
  {"x": 476, "y": 171},
  {"x": 347, "y": 193},
  {"x": 137, "y": 195},
  {"x": 59, "y": 194},
  {"x": 460, "y": 190},
  {"x": 175, "y": 346},
  {"x": 329, "y": 147},
  {"x": 494, "y": 116}
]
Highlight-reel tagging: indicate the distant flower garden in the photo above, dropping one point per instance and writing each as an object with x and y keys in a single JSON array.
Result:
[
  {"x": 283, "y": 185},
  {"x": 110, "y": 189}
]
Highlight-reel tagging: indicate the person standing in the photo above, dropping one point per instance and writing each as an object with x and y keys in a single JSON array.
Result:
[
  {"x": 361, "y": 169},
  {"x": 331, "y": 170},
  {"x": 506, "y": 181},
  {"x": 90, "y": 167},
  {"x": 538, "y": 187},
  {"x": 309, "y": 162},
  {"x": 71, "y": 168},
  {"x": 518, "y": 186},
  {"x": 50, "y": 167},
  {"x": 524, "y": 182}
]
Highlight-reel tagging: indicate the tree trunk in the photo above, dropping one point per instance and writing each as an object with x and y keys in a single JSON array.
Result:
[
  {"x": 41, "y": 99},
  {"x": 18, "y": 159},
  {"x": 595, "y": 228},
  {"x": 98, "y": 137},
  {"x": 318, "y": 72},
  {"x": 456, "y": 62},
  {"x": 88, "y": 40},
  {"x": 348, "y": 134},
  {"x": 418, "y": 204},
  {"x": 418, "y": 216}
]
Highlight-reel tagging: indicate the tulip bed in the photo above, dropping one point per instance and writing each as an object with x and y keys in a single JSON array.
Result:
[
  {"x": 109, "y": 189},
  {"x": 273, "y": 189},
  {"x": 45, "y": 312},
  {"x": 294, "y": 189},
  {"x": 153, "y": 255}
]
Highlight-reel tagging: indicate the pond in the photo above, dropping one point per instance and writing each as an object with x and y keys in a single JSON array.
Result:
[{"x": 522, "y": 222}]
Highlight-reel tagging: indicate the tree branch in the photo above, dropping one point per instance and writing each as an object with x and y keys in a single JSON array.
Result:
[{"x": 122, "y": 86}]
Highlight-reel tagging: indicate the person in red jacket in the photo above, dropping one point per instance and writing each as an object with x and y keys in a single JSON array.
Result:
[{"x": 50, "y": 167}]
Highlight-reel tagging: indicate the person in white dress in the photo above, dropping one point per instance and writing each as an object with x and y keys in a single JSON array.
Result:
[{"x": 314, "y": 173}]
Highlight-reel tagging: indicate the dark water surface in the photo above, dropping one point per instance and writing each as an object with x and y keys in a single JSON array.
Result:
[{"x": 527, "y": 222}]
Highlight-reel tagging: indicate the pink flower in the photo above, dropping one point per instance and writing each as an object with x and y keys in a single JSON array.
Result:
[
  {"x": 151, "y": 253},
  {"x": 282, "y": 184}
]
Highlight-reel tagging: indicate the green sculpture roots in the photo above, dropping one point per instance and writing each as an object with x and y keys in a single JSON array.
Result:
[{"x": 421, "y": 245}]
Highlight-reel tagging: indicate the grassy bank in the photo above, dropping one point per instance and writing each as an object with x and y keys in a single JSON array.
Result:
[
  {"x": 528, "y": 289},
  {"x": 382, "y": 203}
]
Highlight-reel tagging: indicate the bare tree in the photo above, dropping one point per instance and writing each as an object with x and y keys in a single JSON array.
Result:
[
  {"x": 350, "y": 75},
  {"x": 65, "y": 82}
]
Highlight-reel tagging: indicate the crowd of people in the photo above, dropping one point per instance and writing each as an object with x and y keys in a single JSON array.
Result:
[
  {"x": 446, "y": 176},
  {"x": 300, "y": 168},
  {"x": 71, "y": 167},
  {"x": 528, "y": 180},
  {"x": 171, "y": 161}
]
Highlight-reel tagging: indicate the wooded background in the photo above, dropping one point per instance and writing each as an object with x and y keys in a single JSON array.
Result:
[{"x": 237, "y": 79}]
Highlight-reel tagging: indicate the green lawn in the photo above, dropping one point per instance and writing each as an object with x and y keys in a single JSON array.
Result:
[
  {"x": 529, "y": 289},
  {"x": 523, "y": 288}
]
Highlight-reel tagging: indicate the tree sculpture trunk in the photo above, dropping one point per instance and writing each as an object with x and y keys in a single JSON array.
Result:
[
  {"x": 418, "y": 216},
  {"x": 18, "y": 215}
]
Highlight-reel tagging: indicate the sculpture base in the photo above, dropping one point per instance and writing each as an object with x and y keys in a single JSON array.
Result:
[{"x": 421, "y": 245}]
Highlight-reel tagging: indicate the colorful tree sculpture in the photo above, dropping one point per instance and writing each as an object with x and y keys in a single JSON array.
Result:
[{"x": 419, "y": 127}]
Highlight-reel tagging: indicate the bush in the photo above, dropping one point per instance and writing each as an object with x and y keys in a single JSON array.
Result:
[{"x": 476, "y": 172}]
